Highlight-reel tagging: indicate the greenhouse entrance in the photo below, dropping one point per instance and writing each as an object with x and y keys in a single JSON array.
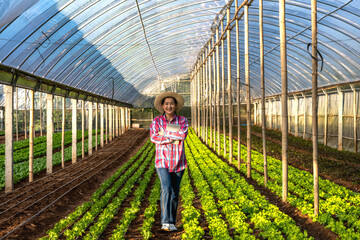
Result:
[{"x": 146, "y": 119}]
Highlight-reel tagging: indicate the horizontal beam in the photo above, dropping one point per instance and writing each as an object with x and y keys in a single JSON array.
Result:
[{"x": 36, "y": 83}]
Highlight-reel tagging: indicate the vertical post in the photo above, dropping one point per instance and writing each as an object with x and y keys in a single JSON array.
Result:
[
  {"x": 355, "y": 125},
  {"x": 106, "y": 122},
  {"x": 247, "y": 84},
  {"x": 262, "y": 78},
  {"x": 207, "y": 97},
  {"x": 198, "y": 99},
  {"x": 110, "y": 123},
  {"x": 117, "y": 120},
  {"x": 340, "y": 130},
  {"x": 113, "y": 121},
  {"x": 326, "y": 117},
  {"x": 17, "y": 114},
  {"x": 228, "y": 38},
  {"x": 90, "y": 128},
  {"x": 40, "y": 109},
  {"x": 238, "y": 87},
  {"x": 284, "y": 114},
  {"x": 129, "y": 117},
  {"x": 96, "y": 125},
  {"x": 31, "y": 137},
  {"x": 218, "y": 91},
  {"x": 270, "y": 113},
  {"x": 223, "y": 85},
  {"x": 83, "y": 128},
  {"x": 203, "y": 96},
  {"x": 9, "y": 138},
  {"x": 63, "y": 134},
  {"x": 25, "y": 113},
  {"x": 296, "y": 115},
  {"x": 74, "y": 130},
  {"x": 210, "y": 98},
  {"x": 101, "y": 125},
  {"x": 315, "y": 105},
  {"x": 49, "y": 132},
  {"x": 213, "y": 98},
  {"x": 304, "y": 110}
]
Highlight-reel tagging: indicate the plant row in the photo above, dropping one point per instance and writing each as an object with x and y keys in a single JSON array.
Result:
[
  {"x": 118, "y": 185},
  {"x": 190, "y": 215},
  {"x": 150, "y": 211},
  {"x": 40, "y": 147},
  {"x": 339, "y": 207},
  {"x": 21, "y": 170},
  {"x": 241, "y": 203}
]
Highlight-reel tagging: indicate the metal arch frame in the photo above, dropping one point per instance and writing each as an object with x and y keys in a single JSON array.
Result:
[
  {"x": 106, "y": 41},
  {"x": 55, "y": 48},
  {"x": 30, "y": 33},
  {"x": 66, "y": 20},
  {"x": 162, "y": 13},
  {"x": 127, "y": 51}
]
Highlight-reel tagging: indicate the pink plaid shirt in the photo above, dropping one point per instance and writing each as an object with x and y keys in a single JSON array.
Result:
[{"x": 170, "y": 156}]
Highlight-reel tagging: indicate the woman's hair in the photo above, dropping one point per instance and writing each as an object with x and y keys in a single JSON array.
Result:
[{"x": 163, "y": 100}]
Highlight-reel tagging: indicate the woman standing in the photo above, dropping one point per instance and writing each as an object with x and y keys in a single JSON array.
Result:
[{"x": 168, "y": 132}]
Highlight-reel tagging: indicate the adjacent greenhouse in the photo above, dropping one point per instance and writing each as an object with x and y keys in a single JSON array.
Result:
[{"x": 271, "y": 94}]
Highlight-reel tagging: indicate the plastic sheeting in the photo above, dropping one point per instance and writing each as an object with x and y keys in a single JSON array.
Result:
[{"x": 11, "y": 9}]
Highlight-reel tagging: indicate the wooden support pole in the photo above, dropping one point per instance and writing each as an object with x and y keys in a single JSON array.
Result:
[
  {"x": 83, "y": 128},
  {"x": 63, "y": 134},
  {"x": 49, "y": 132},
  {"x": 90, "y": 128},
  {"x": 223, "y": 87},
  {"x": 218, "y": 92},
  {"x": 238, "y": 82},
  {"x": 247, "y": 84},
  {"x": 40, "y": 113},
  {"x": 74, "y": 130},
  {"x": 340, "y": 118},
  {"x": 116, "y": 122},
  {"x": 284, "y": 114},
  {"x": 113, "y": 121},
  {"x": 210, "y": 99},
  {"x": 9, "y": 138},
  {"x": 101, "y": 125},
  {"x": 203, "y": 98},
  {"x": 25, "y": 113},
  {"x": 304, "y": 110},
  {"x": 355, "y": 113},
  {"x": 315, "y": 104},
  {"x": 229, "y": 87},
  {"x": 262, "y": 78},
  {"x": 96, "y": 125},
  {"x": 213, "y": 102},
  {"x": 326, "y": 117},
  {"x": 129, "y": 117},
  {"x": 296, "y": 99},
  {"x": 110, "y": 123},
  {"x": 198, "y": 102},
  {"x": 17, "y": 114},
  {"x": 106, "y": 123},
  {"x": 206, "y": 99},
  {"x": 31, "y": 137}
]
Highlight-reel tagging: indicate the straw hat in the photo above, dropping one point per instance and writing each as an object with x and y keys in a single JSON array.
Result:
[{"x": 161, "y": 96}]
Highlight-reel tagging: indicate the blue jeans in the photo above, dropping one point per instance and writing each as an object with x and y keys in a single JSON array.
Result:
[{"x": 170, "y": 188}]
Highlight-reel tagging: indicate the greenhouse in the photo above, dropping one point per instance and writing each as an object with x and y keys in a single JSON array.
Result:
[{"x": 164, "y": 119}]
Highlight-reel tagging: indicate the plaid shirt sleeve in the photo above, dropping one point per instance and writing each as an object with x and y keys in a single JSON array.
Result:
[
  {"x": 182, "y": 133},
  {"x": 154, "y": 130},
  {"x": 168, "y": 155}
]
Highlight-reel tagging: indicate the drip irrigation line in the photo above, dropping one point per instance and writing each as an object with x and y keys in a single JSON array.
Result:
[{"x": 49, "y": 205}]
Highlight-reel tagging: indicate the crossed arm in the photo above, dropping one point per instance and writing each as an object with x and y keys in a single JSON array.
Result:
[{"x": 168, "y": 137}]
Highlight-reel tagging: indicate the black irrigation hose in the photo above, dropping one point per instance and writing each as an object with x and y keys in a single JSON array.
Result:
[
  {"x": 43, "y": 189},
  {"x": 34, "y": 182},
  {"x": 49, "y": 205}
]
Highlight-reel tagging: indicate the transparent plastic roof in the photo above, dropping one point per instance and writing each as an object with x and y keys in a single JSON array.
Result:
[{"x": 100, "y": 46}]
